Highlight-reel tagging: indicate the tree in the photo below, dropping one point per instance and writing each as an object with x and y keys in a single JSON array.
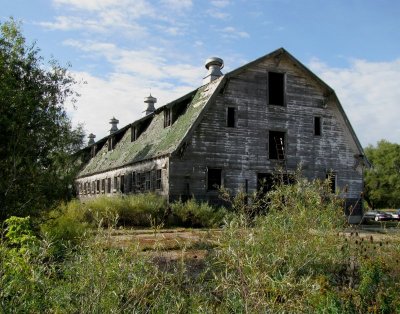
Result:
[
  {"x": 37, "y": 140},
  {"x": 382, "y": 181}
]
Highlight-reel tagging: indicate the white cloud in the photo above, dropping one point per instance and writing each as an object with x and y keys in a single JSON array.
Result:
[
  {"x": 218, "y": 14},
  {"x": 177, "y": 5},
  {"x": 220, "y": 3},
  {"x": 231, "y": 32},
  {"x": 119, "y": 95},
  {"x": 370, "y": 95}
]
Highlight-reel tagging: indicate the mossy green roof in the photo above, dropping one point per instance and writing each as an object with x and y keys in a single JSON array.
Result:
[{"x": 156, "y": 140}]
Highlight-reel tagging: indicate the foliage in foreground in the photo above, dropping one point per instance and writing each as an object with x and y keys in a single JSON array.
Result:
[
  {"x": 37, "y": 139},
  {"x": 292, "y": 260}
]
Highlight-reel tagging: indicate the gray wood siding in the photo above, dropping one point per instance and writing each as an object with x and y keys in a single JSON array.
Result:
[{"x": 242, "y": 152}]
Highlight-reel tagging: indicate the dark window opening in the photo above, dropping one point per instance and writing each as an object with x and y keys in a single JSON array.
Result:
[
  {"x": 98, "y": 186},
  {"x": 167, "y": 117},
  {"x": 94, "y": 187},
  {"x": 158, "y": 179},
  {"x": 122, "y": 184},
  {"x": 331, "y": 176},
  {"x": 103, "y": 185},
  {"x": 230, "y": 117},
  {"x": 276, "y": 145},
  {"x": 108, "y": 185},
  {"x": 147, "y": 181},
  {"x": 128, "y": 187},
  {"x": 134, "y": 133},
  {"x": 214, "y": 179},
  {"x": 276, "y": 89},
  {"x": 142, "y": 181},
  {"x": 133, "y": 176},
  {"x": 317, "y": 126}
]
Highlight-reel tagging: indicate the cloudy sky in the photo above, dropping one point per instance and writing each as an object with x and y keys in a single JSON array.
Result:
[{"x": 121, "y": 50}]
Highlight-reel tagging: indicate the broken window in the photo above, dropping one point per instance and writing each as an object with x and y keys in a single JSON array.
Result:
[
  {"x": 332, "y": 177},
  {"x": 214, "y": 179},
  {"x": 167, "y": 117},
  {"x": 276, "y": 145},
  {"x": 230, "y": 117},
  {"x": 122, "y": 184},
  {"x": 158, "y": 179},
  {"x": 317, "y": 126},
  {"x": 276, "y": 89}
]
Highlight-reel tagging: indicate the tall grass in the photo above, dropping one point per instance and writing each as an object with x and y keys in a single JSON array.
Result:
[{"x": 292, "y": 260}]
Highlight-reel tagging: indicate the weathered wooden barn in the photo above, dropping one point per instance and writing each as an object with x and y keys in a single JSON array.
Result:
[{"x": 234, "y": 131}]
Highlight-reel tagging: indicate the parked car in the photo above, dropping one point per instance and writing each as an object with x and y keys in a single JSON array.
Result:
[
  {"x": 377, "y": 215},
  {"x": 395, "y": 214}
]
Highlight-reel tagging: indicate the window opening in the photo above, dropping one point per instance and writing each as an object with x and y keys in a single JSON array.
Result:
[
  {"x": 276, "y": 145},
  {"x": 230, "y": 117},
  {"x": 158, "y": 179},
  {"x": 98, "y": 186},
  {"x": 167, "y": 117},
  {"x": 214, "y": 179},
  {"x": 108, "y": 185},
  {"x": 103, "y": 185},
  {"x": 276, "y": 88},
  {"x": 317, "y": 126},
  {"x": 115, "y": 184},
  {"x": 122, "y": 184}
]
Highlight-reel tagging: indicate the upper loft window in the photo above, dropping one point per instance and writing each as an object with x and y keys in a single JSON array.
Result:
[
  {"x": 317, "y": 126},
  {"x": 276, "y": 145},
  {"x": 167, "y": 117},
  {"x": 230, "y": 117},
  {"x": 214, "y": 179},
  {"x": 276, "y": 88}
]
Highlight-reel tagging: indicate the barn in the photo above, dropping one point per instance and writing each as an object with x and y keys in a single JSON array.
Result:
[{"x": 234, "y": 131}]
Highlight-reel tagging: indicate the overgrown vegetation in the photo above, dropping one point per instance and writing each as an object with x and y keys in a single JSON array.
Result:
[
  {"x": 37, "y": 139},
  {"x": 293, "y": 260}
]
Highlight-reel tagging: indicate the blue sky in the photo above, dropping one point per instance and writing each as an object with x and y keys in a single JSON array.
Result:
[{"x": 125, "y": 49}]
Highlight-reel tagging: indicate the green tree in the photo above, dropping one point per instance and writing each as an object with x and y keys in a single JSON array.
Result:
[
  {"x": 382, "y": 181},
  {"x": 37, "y": 140}
]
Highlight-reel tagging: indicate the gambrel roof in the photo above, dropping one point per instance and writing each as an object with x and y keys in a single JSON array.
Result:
[{"x": 156, "y": 140}]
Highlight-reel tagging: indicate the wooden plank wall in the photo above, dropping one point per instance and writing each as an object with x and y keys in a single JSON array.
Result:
[{"x": 242, "y": 152}]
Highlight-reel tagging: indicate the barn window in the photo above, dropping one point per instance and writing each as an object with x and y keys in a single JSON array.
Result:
[
  {"x": 103, "y": 185},
  {"x": 111, "y": 143},
  {"x": 317, "y": 126},
  {"x": 147, "y": 181},
  {"x": 276, "y": 89},
  {"x": 94, "y": 187},
  {"x": 230, "y": 117},
  {"x": 122, "y": 184},
  {"x": 115, "y": 184},
  {"x": 158, "y": 179},
  {"x": 133, "y": 181},
  {"x": 98, "y": 186},
  {"x": 276, "y": 145},
  {"x": 167, "y": 117},
  {"x": 332, "y": 177},
  {"x": 214, "y": 179},
  {"x": 109, "y": 185},
  {"x": 134, "y": 133}
]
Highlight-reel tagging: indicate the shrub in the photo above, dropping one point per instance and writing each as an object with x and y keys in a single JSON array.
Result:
[
  {"x": 194, "y": 214},
  {"x": 19, "y": 232}
]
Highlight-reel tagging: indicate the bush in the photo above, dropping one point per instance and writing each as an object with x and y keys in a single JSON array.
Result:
[{"x": 194, "y": 214}]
